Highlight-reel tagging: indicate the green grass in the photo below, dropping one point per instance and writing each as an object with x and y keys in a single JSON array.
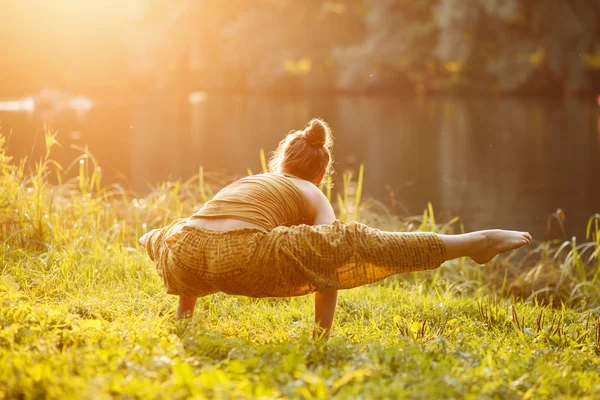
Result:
[{"x": 83, "y": 313}]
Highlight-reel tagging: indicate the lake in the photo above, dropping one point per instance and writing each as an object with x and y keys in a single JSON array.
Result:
[{"x": 494, "y": 162}]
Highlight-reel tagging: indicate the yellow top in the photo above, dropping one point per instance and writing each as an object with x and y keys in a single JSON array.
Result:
[{"x": 267, "y": 200}]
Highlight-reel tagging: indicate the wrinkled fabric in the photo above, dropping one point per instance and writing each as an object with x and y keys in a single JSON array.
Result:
[
  {"x": 286, "y": 261},
  {"x": 267, "y": 200}
]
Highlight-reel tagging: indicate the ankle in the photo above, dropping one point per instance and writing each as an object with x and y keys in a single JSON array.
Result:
[{"x": 483, "y": 242}]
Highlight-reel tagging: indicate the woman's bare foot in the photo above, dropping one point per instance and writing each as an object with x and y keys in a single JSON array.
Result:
[
  {"x": 497, "y": 241},
  {"x": 482, "y": 246}
]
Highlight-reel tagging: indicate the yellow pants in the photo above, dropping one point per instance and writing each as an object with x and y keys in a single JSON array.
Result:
[{"x": 286, "y": 261}]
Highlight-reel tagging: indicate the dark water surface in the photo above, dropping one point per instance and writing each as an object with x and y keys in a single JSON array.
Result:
[{"x": 506, "y": 163}]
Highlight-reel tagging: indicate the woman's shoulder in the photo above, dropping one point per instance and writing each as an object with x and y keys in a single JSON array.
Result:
[
  {"x": 311, "y": 193},
  {"x": 308, "y": 189},
  {"x": 261, "y": 176}
]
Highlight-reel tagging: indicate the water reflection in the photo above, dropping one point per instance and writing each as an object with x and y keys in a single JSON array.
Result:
[{"x": 505, "y": 163}]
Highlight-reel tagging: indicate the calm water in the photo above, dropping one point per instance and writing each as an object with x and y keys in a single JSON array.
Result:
[{"x": 506, "y": 163}]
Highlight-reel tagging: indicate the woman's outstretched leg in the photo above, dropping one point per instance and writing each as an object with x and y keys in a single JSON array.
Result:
[
  {"x": 482, "y": 246},
  {"x": 346, "y": 255}
]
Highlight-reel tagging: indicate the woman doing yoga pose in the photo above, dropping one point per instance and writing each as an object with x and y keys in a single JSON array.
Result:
[{"x": 276, "y": 235}]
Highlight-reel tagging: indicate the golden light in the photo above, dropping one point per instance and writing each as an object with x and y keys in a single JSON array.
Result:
[{"x": 66, "y": 44}]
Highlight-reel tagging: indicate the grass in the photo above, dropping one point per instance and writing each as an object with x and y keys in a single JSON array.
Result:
[{"x": 83, "y": 314}]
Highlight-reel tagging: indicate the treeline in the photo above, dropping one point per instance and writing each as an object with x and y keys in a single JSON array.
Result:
[{"x": 402, "y": 46}]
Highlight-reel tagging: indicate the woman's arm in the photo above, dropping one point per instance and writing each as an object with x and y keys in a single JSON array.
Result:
[
  {"x": 186, "y": 306},
  {"x": 325, "y": 302}
]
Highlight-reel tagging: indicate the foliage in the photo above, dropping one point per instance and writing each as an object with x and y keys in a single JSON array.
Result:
[
  {"x": 361, "y": 45},
  {"x": 403, "y": 46}
]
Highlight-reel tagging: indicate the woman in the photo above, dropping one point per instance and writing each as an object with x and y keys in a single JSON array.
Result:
[{"x": 276, "y": 235}]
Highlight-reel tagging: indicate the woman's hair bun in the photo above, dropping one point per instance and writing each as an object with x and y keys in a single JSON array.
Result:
[{"x": 316, "y": 132}]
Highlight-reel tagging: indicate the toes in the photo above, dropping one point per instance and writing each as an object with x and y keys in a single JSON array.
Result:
[{"x": 527, "y": 237}]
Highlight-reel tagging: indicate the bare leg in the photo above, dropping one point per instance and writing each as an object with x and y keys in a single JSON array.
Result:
[
  {"x": 325, "y": 303},
  {"x": 482, "y": 246},
  {"x": 186, "y": 307}
]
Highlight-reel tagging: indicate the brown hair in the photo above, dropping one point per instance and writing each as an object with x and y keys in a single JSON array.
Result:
[{"x": 306, "y": 153}]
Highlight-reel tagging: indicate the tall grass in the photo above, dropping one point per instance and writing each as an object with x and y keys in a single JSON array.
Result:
[
  {"x": 83, "y": 314},
  {"x": 78, "y": 212}
]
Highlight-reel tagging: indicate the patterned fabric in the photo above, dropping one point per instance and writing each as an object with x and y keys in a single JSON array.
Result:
[
  {"x": 286, "y": 261},
  {"x": 267, "y": 200}
]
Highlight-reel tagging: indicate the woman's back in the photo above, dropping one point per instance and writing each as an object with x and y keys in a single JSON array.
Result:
[{"x": 266, "y": 200}]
